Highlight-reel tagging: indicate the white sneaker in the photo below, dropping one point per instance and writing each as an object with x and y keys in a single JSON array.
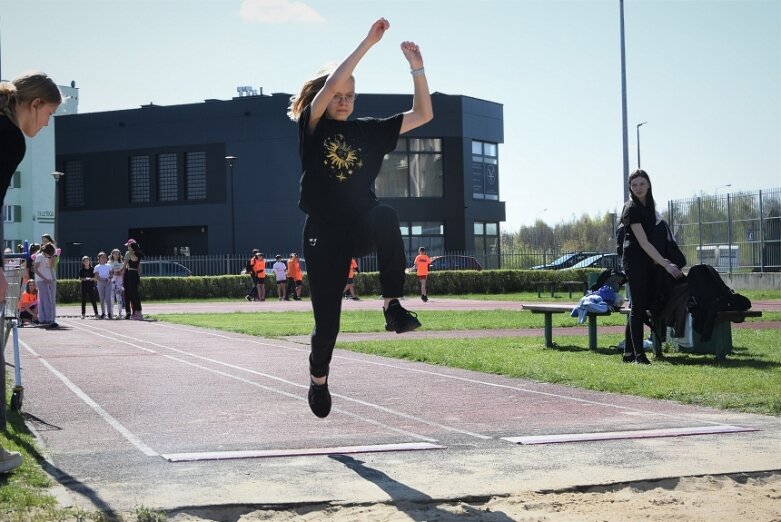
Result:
[{"x": 9, "y": 460}]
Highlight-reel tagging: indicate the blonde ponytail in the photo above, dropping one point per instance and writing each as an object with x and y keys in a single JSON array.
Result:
[{"x": 8, "y": 99}]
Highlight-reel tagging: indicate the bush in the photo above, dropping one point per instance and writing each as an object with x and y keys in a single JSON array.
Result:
[{"x": 366, "y": 283}]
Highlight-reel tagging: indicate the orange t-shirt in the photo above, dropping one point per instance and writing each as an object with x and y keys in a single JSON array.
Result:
[
  {"x": 294, "y": 269},
  {"x": 353, "y": 269},
  {"x": 259, "y": 266},
  {"x": 422, "y": 262},
  {"x": 27, "y": 299}
]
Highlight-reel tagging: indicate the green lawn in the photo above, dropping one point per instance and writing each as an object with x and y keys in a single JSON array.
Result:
[{"x": 279, "y": 324}]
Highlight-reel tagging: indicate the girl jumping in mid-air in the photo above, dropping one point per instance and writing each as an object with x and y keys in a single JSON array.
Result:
[{"x": 340, "y": 160}]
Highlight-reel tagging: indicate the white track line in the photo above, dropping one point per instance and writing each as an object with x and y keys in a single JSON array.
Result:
[
  {"x": 116, "y": 337},
  {"x": 106, "y": 416}
]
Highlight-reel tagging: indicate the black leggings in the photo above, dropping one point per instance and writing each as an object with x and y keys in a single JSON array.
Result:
[
  {"x": 132, "y": 297},
  {"x": 328, "y": 250},
  {"x": 641, "y": 288},
  {"x": 88, "y": 291}
]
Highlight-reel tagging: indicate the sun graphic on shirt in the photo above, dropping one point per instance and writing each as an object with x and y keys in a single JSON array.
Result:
[{"x": 341, "y": 158}]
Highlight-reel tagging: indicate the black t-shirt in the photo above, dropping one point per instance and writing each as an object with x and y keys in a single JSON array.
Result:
[
  {"x": 655, "y": 232},
  {"x": 12, "y": 149},
  {"x": 86, "y": 272},
  {"x": 340, "y": 161}
]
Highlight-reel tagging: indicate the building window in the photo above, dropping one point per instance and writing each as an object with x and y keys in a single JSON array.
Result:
[
  {"x": 139, "y": 179},
  {"x": 12, "y": 213},
  {"x": 167, "y": 177},
  {"x": 195, "y": 175},
  {"x": 427, "y": 234},
  {"x": 413, "y": 170},
  {"x": 16, "y": 180},
  {"x": 487, "y": 244},
  {"x": 485, "y": 171},
  {"x": 73, "y": 182}
]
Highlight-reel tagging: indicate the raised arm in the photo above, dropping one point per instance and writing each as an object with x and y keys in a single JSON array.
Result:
[
  {"x": 344, "y": 71},
  {"x": 422, "y": 111}
]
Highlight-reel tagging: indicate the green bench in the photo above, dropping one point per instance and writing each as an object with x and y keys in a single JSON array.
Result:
[
  {"x": 549, "y": 309},
  {"x": 720, "y": 344}
]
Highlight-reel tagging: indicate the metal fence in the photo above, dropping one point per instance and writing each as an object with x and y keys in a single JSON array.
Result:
[{"x": 738, "y": 232}]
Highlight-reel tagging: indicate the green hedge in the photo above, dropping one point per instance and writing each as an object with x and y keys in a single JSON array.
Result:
[{"x": 366, "y": 283}]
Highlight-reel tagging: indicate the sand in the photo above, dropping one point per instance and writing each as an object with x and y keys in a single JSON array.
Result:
[{"x": 751, "y": 497}]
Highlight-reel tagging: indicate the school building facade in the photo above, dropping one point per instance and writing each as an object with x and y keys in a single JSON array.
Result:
[{"x": 222, "y": 176}]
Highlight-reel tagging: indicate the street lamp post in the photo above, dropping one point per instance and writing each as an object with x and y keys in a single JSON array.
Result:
[
  {"x": 57, "y": 175},
  {"x": 231, "y": 160},
  {"x": 638, "y": 143},
  {"x": 721, "y": 187}
]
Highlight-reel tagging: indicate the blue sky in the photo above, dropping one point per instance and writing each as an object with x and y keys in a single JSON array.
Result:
[{"x": 704, "y": 74}]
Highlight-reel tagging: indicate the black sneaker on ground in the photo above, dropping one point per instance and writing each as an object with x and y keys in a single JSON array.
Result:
[
  {"x": 629, "y": 358},
  {"x": 319, "y": 399},
  {"x": 642, "y": 359},
  {"x": 400, "y": 320},
  {"x": 424, "y": 298}
]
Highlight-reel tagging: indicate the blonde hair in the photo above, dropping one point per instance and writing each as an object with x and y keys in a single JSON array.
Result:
[
  {"x": 24, "y": 89},
  {"x": 309, "y": 90}
]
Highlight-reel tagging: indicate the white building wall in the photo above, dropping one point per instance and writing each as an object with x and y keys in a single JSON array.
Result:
[{"x": 35, "y": 195}]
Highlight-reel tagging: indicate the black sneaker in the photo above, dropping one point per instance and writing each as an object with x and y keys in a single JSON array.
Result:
[
  {"x": 424, "y": 298},
  {"x": 642, "y": 359},
  {"x": 629, "y": 358},
  {"x": 400, "y": 320},
  {"x": 319, "y": 399}
]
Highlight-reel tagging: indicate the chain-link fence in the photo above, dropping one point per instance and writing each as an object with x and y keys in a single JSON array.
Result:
[{"x": 738, "y": 232}]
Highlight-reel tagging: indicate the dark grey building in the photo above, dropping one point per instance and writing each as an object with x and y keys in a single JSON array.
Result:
[{"x": 159, "y": 174}]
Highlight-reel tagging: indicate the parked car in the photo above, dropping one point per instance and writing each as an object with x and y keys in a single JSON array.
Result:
[
  {"x": 452, "y": 262},
  {"x": 164, "y": 269},
  {"x": 565, "y": 261},
  {"x": 599, "y": 261}
]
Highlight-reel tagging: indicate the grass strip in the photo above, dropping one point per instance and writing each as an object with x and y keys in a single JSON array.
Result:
[{"x": 278, "y": 324}]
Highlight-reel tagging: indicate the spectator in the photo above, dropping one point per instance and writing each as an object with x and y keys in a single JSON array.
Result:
[
  {"x": 295, "y": 278},
  {"x": 117, "y": 275},
  {"x": 103, "y": 278},
  {"x": 88, "y": 290},
  {"x": 44, "y": 280},
  {"x": 422, "y": 262},
  {"x": 29, "y": 273},
  {"x": 28, "y": 304},
  {"x": 340, "y": 160},
  {"x": 349, "y": 288},
  {"x": 256, "y": 268},
  {"x": 280, "y": 273},
  {"x": 132, "y": 280},
  {"x": 639, "y": 218},
  {"x": 26, "y": 104}
]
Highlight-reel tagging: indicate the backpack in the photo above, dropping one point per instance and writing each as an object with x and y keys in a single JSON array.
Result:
[{"x": 611, "y": 277}]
